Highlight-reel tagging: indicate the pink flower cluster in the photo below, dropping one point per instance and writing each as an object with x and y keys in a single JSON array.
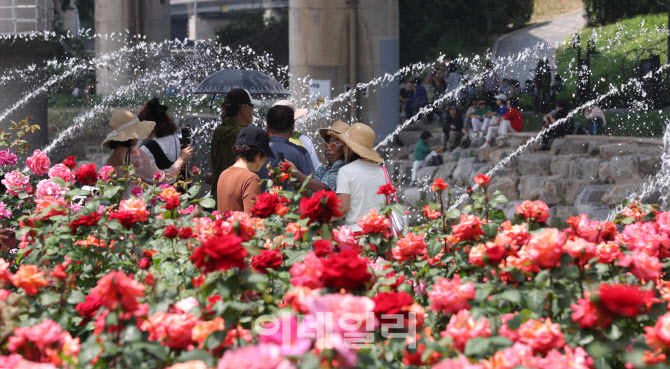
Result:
[{"x": 450, "y": 296}]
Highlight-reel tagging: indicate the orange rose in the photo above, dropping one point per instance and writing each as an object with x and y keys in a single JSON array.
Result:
[
  {"x": 169, "y": 193},
  {"x": 137, "y": 207},
  {"x": 53, "y": 205},
  {"x": 29, "y": 278},
  {"x": 203, "y": 329},
  {"x": 482, "y": 180}
]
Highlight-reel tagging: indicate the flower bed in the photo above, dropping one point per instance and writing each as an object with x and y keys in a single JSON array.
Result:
[{"x": 152, "y": 281}]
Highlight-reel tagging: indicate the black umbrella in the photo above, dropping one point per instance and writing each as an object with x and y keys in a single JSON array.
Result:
[{"x": 257, "y": 83}]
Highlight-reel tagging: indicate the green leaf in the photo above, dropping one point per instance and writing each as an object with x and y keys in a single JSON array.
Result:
[
  {"x": 477, "y": 346},
  {"x": 201, "y": 355},
  {"x": 153, "y": 348},
  {"x": 131, "y": 334},
  {"x": 208, "y": 203},
  {"x": 434, "y": 247},
  {"x": 115, "y": 226},
  {"x": 453, "y": 214},
  {"x": 511, "y": 295}
]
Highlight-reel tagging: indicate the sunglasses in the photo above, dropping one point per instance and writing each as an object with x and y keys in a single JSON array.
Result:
[{"x": 332, "y": 145}]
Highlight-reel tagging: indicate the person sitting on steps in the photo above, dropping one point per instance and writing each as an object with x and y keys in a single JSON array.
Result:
[
  {"x": 423, "y": 153},
  {"x": 481, "y": 118},
  {"x": 497, "y": 124},
  {"x": 564, "y": 125}
]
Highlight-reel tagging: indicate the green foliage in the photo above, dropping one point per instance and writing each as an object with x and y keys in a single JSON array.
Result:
[
  {"x": 455, "y": 27},
  {"x": 623, "y": 43},
  {"x": 243, "y": 25},
  {"x": 609, "y": 11}
]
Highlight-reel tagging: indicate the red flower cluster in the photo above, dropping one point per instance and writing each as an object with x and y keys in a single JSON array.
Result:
[
  {"x": 89, "y": 307},
  {"x": 482, "y": 180},
  {"x": 84, "y": 220},
  {"x": 70, "y": 162},
  {"x": 267, "y": 259},
  {"x": 625, "y": 300},
  {"x": 386, "y": 189},
  {"x": 321, "y": 207},
  {"x": 439, "y": 186},
  {"x": 269, "y": 203},
  {"x": 86, "y": 174},
  {"x": 221, "y": 252},
  {"x": 345, "y": 270},
  {"x": 468, "y": 229},
  {"x": 116, "y": 289},
  {"x": 391, "y": 303},
  {"x": 536, "y": 211}
]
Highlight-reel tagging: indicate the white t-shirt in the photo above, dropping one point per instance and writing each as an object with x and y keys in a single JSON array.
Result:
[
  {"x": 596, "y": 112},
  {"x": 361, "y": 179},
  {"x": 170, "y": 145}
]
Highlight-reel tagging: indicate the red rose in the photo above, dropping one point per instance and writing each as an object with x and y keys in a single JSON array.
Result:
[
  {"x": 345, "y": 270},
  {"x": 625, "y": 300},
  {"x": 84, "y": 220},
  {"x": 321, "y": 248},
  {"x": 171, "y": 203},
  {"x": 185, "y": 233},
  {"x": 89, "y": 307},
  {"x": 69, "y": 162},
  {"x": 321, "y": 207},
  {"x": 439, "y": 185},
  {"x": 495, "y": 253},
  {"x": 391, "y": 303},
  {"x": 59, "y": 272},
  {"x": 171, "y": 231},
  {"x": 386, "y": 189},
  {"x": 482, "y": 180},
  {"x": 197, "y": 282},
  {"x": 265, "y": 205},
  {"x": 220, "y": 253},
  {"x": 149, "y": 280},
  {"x": 87, "y": 175},
  {"x": 126, "y": 218},
  {"x": 144, "y": 263},
  {"x": 266, "y": 259}
]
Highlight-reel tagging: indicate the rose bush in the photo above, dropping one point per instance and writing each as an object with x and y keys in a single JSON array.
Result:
[{"x": 98, "y": 280}]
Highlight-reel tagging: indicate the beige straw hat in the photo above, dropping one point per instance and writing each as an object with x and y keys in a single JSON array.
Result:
[
  {"x": 360, "y": 138},
  {"x": 337, "y": 127},
  {"x": 125, "y": 126}
]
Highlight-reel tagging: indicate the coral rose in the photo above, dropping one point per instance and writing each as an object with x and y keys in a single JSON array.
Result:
[
  {"x": 438, "y": 185},
  {"x": 586, "y": 313},
  {"x": 29, "y": 278},
  {"x": 39, "y": 163},
  {"x": 462, "y": 328},
  {"x": 450, "y": 296},
  {"x": 430, "y": 213},
  {"x": 345, "y": 270},
  {"x": 541, "y": 336},
  {"x": 344, "y": 238},
  {"x": 607, "y": 252},
  {"x": 546, "y": 249},
  {"x": 171, "y": 330},
  {"x": 116, "y": 289},
  {"x": 468, "y": 228},
  {"x": 222, "y": 253},
  {"x": 658, "y": 336},
  {"x": 536, "y": 211},
  {"x": 135, "y": 206},
  {"x": 642, "y": 265},
  {"x": 308, "y": 272},
  {"x": 372, "y": 222},
  {"x": 409, "y": 247},
  {"x": 482, "y": 180}
]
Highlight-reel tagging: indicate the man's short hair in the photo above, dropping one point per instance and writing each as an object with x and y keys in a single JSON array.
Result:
[
  {"x": 280, "y": 119},
  {"x": 425, "y": 135}
]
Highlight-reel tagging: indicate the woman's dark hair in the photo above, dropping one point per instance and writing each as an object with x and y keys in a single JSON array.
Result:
[
  {"x": 425, "y": 135},
  {"x": 280, "y": 119},
  {"x": 245, "y": 152},
  {"x": 114, "y": 144},
  {"x": 155, "y": 112},
  {"x": 353, "y": 156}
]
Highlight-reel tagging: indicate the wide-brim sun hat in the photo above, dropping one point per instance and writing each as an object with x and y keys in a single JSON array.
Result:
[
  {"x": 125, "y": 125},
  {"x": 337, "y": 127},
  {"x": 297, "y": 113},
  {"x": 360, "y": 139}
]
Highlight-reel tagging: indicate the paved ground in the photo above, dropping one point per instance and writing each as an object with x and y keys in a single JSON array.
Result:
[{"x": 527, "y": 45}]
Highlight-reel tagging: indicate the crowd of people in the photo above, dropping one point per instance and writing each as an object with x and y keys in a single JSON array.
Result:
[{"x": 241, "y": 154}]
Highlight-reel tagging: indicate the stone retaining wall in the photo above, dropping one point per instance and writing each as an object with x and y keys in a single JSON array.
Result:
[{"x": 581, "y": 174}]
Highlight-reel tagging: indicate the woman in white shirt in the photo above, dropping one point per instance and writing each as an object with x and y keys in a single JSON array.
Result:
[
  {"x": 360, "y": 179},
  {"x": 165, "y": 145}
]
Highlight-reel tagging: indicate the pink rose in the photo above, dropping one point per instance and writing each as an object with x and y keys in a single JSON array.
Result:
[
  {"x": 157, "y": 176},
  {"x": 39, "y": 163},
  {"x": 106, "y": 173},
  {"x": 4, "y": 213},
  {"x": 47, "y": 187},
  {"x": 7, "y": 158},
  {"x": 344, "y": 237},
  {"x": 61, "y": 171},
  {"x": 15, "y": 182},
  {"x": 137, "y": 191}
]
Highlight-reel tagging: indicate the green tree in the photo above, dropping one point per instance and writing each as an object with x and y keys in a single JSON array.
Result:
[{"x": 601, "y": 12}]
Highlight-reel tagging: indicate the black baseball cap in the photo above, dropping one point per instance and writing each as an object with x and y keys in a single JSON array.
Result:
[
  {"x": 255, "y": 136},
  {"x": 239, "y": 96}
]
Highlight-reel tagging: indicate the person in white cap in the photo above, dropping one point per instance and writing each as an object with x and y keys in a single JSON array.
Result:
[
  {"x": 297, "y": 137},
  {"x": 498, "y": 124}
]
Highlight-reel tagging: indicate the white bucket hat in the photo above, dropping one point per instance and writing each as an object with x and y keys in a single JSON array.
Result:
[{"x": 126, "y": 126}]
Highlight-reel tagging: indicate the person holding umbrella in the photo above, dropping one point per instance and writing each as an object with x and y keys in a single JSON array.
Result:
[{"x": 238, "y": 109}]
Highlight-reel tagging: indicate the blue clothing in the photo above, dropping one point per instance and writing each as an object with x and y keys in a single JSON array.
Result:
[
  {"x": 297, "y": 155},
  {"x": 420, "y": 97},
  {"x": 501, "y": 110}
]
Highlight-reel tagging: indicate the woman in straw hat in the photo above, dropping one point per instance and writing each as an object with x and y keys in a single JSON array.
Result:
[
  {"x": 325, "y": 177},
  {"x": 360, "y": 179},
  {"x": 126, "y": 130}
]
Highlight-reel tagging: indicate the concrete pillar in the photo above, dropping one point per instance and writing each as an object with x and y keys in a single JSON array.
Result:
[
  {"x": 19, "y": 54},
  {"x": 118, "y": 17},
  {"x": 319, "y": 40}
]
